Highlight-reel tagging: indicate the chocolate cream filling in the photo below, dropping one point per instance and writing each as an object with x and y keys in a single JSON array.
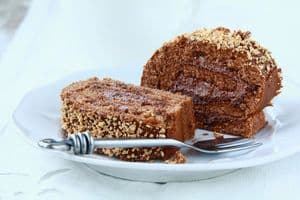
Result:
[{"x": 212, "y": 90}]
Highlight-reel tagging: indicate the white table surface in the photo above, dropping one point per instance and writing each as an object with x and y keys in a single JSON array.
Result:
[{"x": 60, "y": 37}]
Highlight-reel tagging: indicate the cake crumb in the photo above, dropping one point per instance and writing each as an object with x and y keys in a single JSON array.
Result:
[
  {"x": 178, "y": 158},
  {"x": 218, "y": 135}
]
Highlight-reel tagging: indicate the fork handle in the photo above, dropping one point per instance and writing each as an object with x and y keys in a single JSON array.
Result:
[
  {"x": 84, "y": 143},
  {"x": 128, "y": 143}
]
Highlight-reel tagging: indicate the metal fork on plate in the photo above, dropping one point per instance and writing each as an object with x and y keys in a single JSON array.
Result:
[{"x": 84, "y": 143}]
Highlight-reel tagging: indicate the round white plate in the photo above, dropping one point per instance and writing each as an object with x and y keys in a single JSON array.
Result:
[{"x": 38, "y": 117}]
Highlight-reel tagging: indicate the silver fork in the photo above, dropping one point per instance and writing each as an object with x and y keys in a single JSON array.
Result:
[{"x": 84, "y": 143}]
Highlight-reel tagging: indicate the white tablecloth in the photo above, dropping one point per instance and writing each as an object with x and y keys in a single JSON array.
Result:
[{"x": 60, "y": 37}]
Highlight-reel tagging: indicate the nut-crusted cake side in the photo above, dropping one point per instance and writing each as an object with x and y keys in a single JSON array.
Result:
[
  {"x": 225, "y": 72},
  {"x": 112, "y": 109}
]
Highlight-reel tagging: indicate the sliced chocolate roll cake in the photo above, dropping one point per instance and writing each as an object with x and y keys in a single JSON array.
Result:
[
  {"x": 112, "y": 109},
  {"x": 230, "y": 77}
]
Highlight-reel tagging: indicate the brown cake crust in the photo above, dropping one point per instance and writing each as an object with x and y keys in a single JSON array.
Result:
[
  {"x": 112, "y": 109},
  {"x": 225, "y": 72}
]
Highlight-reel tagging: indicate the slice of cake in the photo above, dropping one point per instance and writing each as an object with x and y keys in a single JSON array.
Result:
[
  {"x": 112, "y": 109},
  {"x": 230, "y": 77}
]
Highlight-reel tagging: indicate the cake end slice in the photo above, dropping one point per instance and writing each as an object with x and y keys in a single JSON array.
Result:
[
  {"x": 226, "y": 72},
  {"x": 111, "y": 109}
]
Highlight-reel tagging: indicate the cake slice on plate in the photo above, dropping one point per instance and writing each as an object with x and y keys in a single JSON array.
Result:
[
  {"x": 230, "y": 77},
  {"x": 112, "y": 109}
]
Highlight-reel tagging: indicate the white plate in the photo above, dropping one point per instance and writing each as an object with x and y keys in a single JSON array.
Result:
[{"x": 38, "y": 115}]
